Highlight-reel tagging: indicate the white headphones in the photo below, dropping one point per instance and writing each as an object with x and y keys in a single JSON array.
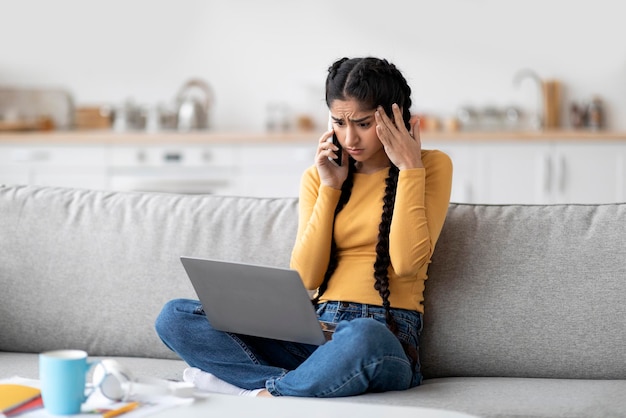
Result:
[{"x": 118, "y": 384}]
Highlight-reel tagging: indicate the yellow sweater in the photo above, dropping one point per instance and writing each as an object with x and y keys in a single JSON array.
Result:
[{"x": 422, "y": 199}]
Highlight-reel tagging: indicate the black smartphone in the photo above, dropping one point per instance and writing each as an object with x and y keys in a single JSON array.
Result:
[
  {"x": 339, "y": 152},
  {"x": 335, "y": 141}
]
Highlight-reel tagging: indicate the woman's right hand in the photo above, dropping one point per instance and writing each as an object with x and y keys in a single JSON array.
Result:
[{"x": 331, "y": 174}]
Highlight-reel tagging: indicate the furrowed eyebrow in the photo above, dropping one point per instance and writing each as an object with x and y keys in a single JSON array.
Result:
[{"x": 360, "y": 120}]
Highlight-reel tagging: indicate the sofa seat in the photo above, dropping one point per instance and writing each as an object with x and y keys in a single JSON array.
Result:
[
  {"x": 480, "y": 396},
  {"x": 513, "y": 397}
]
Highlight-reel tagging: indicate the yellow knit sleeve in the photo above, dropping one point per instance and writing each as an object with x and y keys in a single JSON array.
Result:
[
  {"x": 316, "y": 206},
  {"x": 422, "y": 199}
]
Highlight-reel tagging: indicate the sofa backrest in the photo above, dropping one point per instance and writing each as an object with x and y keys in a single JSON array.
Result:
[
  {"x": 520, "y": 291},
  {"x": 528, "y": 291},
  {"x": 92, "y": 269}
]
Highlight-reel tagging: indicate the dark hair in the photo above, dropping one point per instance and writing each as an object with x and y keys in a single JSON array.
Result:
[{"x": 372, "y": 82}]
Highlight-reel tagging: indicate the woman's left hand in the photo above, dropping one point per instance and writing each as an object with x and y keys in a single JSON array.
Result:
[{"x": 403, "y": 147}]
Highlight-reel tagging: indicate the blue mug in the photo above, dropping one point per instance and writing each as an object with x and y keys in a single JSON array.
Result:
[{"x": 63, "y": 376}]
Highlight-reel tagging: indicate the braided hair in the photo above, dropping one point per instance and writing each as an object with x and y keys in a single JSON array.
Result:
[
  {"x": 371, "y": 82},
  {"x": 346, "y": 190}
]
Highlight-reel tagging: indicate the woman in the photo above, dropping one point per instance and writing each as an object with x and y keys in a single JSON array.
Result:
[{"x": 367, "y": 230}]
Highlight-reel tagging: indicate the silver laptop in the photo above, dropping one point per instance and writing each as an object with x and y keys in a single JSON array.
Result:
[{"x": 255, "y": 300}]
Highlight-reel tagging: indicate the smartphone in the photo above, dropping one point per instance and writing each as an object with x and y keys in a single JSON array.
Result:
[{"x": 335, "y": 142}]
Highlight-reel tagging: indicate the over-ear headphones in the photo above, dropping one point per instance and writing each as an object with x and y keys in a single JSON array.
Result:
[{"x": 117, "y": 383}]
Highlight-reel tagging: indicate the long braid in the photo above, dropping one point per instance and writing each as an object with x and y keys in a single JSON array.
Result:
[
  {"x": 383, "y": 260},
  {"x": 346, "y": 191}
]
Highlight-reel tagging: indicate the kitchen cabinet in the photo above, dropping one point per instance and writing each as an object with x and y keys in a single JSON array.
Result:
[
  {"x": 589, "y": 173},
  {"x": 54, "y": 165},
  {"x": 537, "y": 172},
  {"x": 260, "y": 170},
  {"x": 464, "y": 185},
  {"x": 513, "y": 173},
  {"x": 274, "y": 170},
  {"x": 12, "y": 171}
]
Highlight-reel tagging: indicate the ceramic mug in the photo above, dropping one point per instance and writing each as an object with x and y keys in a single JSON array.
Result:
[{"x": 63, "y": 376}]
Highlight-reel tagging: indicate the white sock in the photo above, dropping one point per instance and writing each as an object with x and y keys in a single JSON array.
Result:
[{"x": 209, "y": 383}]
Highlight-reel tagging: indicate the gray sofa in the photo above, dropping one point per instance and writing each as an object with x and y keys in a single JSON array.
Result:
[{"x": 525, "y": 312}]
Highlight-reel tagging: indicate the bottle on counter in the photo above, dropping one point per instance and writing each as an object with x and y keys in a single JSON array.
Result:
[{"x": 595, "y": 114}]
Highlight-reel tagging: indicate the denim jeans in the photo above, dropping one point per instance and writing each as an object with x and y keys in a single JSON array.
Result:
[{"x": 362, "y": 356}]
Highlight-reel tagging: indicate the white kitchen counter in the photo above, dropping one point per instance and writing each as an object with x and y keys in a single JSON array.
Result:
[{"x": 112, "y": 137}]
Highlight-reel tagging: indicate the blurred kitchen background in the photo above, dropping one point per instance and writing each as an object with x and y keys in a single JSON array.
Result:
[{"x": 252, "y": 72}]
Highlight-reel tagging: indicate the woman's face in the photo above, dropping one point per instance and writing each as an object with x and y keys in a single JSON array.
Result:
[{"x": 356, "y": 131}]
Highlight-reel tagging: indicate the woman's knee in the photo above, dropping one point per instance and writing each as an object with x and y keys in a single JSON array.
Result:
[
  {"x": 369, "y": 334},
  {"x": 168, "y": 322}
]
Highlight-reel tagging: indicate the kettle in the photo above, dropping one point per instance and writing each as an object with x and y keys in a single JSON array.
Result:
[{"x": 194, "y": 101}]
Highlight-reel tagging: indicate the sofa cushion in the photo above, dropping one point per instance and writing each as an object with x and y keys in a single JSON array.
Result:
[
  {"x": 91, "y": 269},
  {"x": 528, "y": 291}
]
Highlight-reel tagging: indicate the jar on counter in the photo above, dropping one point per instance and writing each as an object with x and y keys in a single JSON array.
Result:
[
  {"x": 576, "y": 116},
  {"x": 468, "y": 118}
]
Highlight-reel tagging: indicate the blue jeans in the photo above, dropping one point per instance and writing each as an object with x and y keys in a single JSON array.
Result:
[{"x": 362, "y": 356}]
